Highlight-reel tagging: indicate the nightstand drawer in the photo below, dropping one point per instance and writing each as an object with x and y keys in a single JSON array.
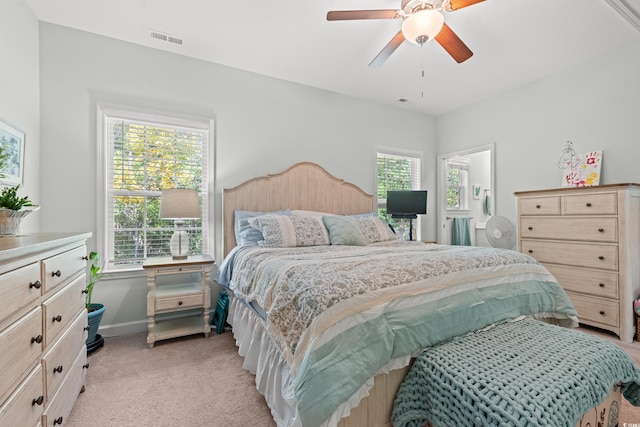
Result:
[
  {"x": 540, "y": 206},
  {"x": 596, "y": 310},
  {"x": 182, "y": 302},
  {"x": 590, "y": 204},
  {"x": 570, "y": 228},
  {"x": 586, "y": 281},
  {"x": 576, "y": 254}
]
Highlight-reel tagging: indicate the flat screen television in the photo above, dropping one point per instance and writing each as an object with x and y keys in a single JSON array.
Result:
[{"x": 407, "y": 203}]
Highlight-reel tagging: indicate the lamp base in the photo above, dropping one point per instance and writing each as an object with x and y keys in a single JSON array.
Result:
[{"x": 179, "y": 244}]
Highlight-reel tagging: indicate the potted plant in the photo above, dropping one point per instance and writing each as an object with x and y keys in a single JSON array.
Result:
[
  {"x": 94, "y": 310},
  {"x": 12, "y": 207}
]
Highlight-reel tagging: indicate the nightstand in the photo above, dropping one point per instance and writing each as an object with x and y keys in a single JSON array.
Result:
[{"x": 176, "y": 288}]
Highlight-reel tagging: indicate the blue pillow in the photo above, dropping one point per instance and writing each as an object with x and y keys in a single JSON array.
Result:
[
  {"x": 246, "y": 235},
  {"x": 344, "y": 230}
]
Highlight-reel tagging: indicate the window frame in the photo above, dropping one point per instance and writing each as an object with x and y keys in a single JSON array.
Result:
[
  {"x": 463, "y": 165},
  {"x": 147, "y": 115},
  {"x": 416, "y": 178}
]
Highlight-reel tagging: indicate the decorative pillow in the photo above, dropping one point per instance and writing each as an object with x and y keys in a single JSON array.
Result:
[
  {"x": 247, "y": 235},
  {"x": 344, "y": 230},
  {"x": 375, "y": 229},
  {"x": 284, "y": 231}
]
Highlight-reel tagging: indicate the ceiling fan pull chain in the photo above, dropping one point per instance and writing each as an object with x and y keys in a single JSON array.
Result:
[{"x": 422, "y": 64}]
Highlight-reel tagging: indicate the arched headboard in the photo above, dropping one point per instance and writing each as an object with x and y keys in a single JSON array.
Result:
[{"x": 304, "y": 186}]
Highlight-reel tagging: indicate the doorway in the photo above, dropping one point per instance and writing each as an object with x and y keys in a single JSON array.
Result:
[{"x": 473, "y": 197}]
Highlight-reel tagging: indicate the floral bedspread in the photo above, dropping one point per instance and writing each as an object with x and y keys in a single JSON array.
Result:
[{"x": 341, "y": 313}]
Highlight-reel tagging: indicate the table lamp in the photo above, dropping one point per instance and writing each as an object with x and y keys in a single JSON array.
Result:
[{"x": 179, "y": 204}]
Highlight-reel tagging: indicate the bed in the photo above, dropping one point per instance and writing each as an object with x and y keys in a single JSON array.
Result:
[{"x": 337, "y": 358}]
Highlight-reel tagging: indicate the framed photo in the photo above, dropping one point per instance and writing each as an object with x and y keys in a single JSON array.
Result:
[
  {"x": 476, "y": 192},
  {"x": 12, "y": 143}
]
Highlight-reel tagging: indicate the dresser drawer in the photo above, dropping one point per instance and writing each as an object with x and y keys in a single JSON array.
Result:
[
  {"x": 596, "y": 310},
  {"x": 19, "y": 288},
  {"x": 62, "y": 308},
  {"x": 570, "y": 228},
  {"x": 57, "y": 411},
  {"x": 20, "y": 349},
  {"x": 576, "y": 254},
  {"x": 590, "y": 204},
  {"x": 549, "y": 205},
  {"x": 58, "y": 360},
  {"x": 24, "y": 407},
  {"x": 586, "y": 281},
  {"x": 60, "y": 268},
  {"x": 180, "y": 302}
]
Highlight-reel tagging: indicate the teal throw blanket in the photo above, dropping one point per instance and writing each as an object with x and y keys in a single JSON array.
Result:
[{"x": 524, "y": 373}]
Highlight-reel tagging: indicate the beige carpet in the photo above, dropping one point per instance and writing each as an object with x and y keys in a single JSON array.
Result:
[{"x": 190, "y": 381}]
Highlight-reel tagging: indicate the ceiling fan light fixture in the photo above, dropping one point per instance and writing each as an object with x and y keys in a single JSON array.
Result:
[{"x": 422, "y": 26}]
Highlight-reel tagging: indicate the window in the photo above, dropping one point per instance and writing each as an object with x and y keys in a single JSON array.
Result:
[
  {"x": 142, "y": 154},
  {"x": 396, "y": 171},
  {"x": 458, "y": 184}
]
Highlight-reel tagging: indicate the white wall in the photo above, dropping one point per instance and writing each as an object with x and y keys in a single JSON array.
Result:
[
  {"x": 263, "y": 125},
  {"x": 19, "y": 86},
  {"x": 595, "y": 105}
]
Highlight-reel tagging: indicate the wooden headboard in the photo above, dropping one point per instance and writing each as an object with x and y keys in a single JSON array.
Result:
[{"x": 305, "y": 186}]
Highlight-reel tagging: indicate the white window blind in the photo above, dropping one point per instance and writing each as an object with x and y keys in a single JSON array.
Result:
[
  {"x": 458, "y": 184},
  {"x": 145, "y": 154},
  {"x": 396, "y": 172}
]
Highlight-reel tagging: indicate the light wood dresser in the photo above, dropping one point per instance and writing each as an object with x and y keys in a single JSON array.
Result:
[
  {"x": 589, "y": 239},
  {"x": 43, "y": 327}
]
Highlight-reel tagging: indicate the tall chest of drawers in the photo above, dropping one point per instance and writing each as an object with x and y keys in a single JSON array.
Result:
[
  {"x": 43, "y": 327},
  {"x": 589, "y": 239}
]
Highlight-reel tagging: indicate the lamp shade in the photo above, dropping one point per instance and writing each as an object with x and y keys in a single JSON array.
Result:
[
  {"x": 422, "y": 26},
  {"x": 179, "y": 203}
]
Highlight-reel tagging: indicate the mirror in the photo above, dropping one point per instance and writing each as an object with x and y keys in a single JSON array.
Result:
[{"x": 470, "y": 194}]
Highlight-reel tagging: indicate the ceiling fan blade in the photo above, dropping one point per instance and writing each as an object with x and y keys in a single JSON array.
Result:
[
  {"x": 453, "y": 45},
  {"x": 386, "y": 52},
  {"x": 345, "y": 15},
  {"x": 459, "y": 4}
]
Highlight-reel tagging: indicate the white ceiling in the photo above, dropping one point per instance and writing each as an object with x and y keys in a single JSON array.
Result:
[{"x": 514, "y": 42}]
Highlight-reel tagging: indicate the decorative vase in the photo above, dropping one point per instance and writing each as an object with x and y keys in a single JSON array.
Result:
[
  {"x": 94, "y": 317},
  {"x": 11, "y": 220}
]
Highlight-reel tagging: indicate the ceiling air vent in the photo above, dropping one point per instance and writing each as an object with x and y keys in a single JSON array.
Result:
[{"x": 158, "y": 35}]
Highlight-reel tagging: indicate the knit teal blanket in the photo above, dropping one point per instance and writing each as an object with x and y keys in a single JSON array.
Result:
[{"x": 524, "y": 373}]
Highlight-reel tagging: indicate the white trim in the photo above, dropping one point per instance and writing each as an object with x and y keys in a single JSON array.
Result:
[{"x": 628, "y": 12}]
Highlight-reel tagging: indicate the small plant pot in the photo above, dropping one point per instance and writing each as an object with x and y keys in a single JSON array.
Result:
[
  {"x": 95, "y": 316},
  {"x": 10, "y": 220}
]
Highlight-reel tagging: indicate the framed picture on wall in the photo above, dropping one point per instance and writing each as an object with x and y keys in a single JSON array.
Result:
[
  {"x": 476, "y": 192},
  {"x": 12, "y": 144}
]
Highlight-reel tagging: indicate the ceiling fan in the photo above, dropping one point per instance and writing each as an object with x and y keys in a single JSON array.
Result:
[{"x": 423, "y": 21}]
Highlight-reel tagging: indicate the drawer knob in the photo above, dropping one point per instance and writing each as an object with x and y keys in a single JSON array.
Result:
[
  {"x": 56, "y": 273},
  {"x": 530, "y": 228},
  {"x": 37, "y": 339},
  {"x": 58, "y": 421},
  {"x": 179, "y": 302},
  {"x": 538, "y": 206},
  {"x": 85, "y": 258},
  {"x": 35, "y": 284},
  {"x": 588, "y": 205},
  {"x": 37, "y": 401},
  {"x": 601, "y": 285},
  {"x": 85, "y": 366},
  {"x": 602, "y": 312},
  {"x": 57, "y": 318},
  {"x": 85, "y": 291},
  {"x": 530, "y": 251},
  {"x": 601, "y": 230},
  {"x": 86, "y": 328},
  {"x": 600, "y": 257},
  {"x": 58, "y": 369}
]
